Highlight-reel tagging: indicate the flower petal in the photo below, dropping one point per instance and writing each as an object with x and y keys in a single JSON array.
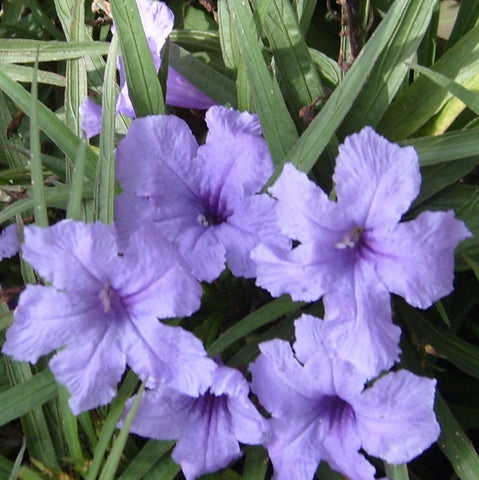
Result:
[
  {"x": 416, "y": 259},
  {"x": 304, "y": 210},
  {"x": 207, "y": 443},
  {"x": 152, "y": 279},
  {"x": 91, "y": 114},
  {"x": 375, "y": 179},
  {"x": 359, "y": 326},
  {"x": 44, "y": 320},
  {"x": 254, "y": 221},
  {"x": 182, "y": 93},
  {"x": 161, "y": 354},
  {"x": 67, "y": 254},
  {"x": 396, "y": 418},
  {"x": 90, "y": 368},
  {"x": 155, "y": 157},
  {"x": 161, "y": 415},
  {"x": 9, "y": 243}
]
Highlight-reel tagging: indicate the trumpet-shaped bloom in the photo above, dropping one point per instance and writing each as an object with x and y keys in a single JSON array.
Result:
[
  {"x": 9, "y": 244},
  {"x": 354, "y": 251},
  {"x": 157, "y": 20},
  {"x": 321, "y": 411},
  {"x": 208, "y": 428},
  {"x": 202, "y": 197},
  {"x": 101, "y": 312}
]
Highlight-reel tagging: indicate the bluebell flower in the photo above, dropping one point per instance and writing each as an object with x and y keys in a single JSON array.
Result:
[
  {"x": 355, "y": 251},
  {"x": 321, "y": 410},
  {"x": 157, "y": 20},
  {"x": 101, "y": 312},
  {"x": 9, "y": 243},
  {"x": 208, "y": 428},
  {"x": 203, "y": 198}
]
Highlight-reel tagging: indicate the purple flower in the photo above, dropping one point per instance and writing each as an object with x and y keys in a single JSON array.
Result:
[
  {"x": 354, "y": 251},
  {"x": 208, "y": 428},
  {"x": 157, "y": 20},
  {"x": 321, "y": 411},
  {"x": 203, "y": 198},
  {"x": 102, "y": 310},
  {"x": 9, "y": 244}
]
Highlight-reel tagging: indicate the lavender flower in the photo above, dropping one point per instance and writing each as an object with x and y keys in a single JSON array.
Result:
[
  {"x": 354, "y": 251},
  {"x": 9, "y": 244},
  {"x": 203, "y": 198},
  {"x": 102, "y": 310},
  {"x": 157, "y": 20},
  {"x": 321, "y": 411},
  {"x": 208, "y": 428}
]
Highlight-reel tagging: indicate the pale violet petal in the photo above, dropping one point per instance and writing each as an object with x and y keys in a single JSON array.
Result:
[
  {"x": 155, "y": 157},
  {"x": 9, "y": 243},
  {"x": 375, "y": 179},
  {"x": 395, "y": 417},
  {"x": 182, "y": 93},
  {"x": 90, "y": 117},
  {"x": 416, "y": 259}
]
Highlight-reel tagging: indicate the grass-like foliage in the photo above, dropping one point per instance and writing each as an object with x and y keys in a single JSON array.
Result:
[{"x": 315, "y": 73}]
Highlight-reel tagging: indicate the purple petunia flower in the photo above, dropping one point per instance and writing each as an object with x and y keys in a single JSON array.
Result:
[
  {"x": 157, "y": 20},
  {"x": 321, "y": 410},
  {"x": 354, "y": 251},
  {"x": 102, "y": 310},
  {"x": 203, "y": 198},
  {"x": 208, "y": 428},
  {"x": 9, "y": 244}
]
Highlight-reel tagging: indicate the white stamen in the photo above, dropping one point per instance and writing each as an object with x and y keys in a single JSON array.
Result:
[
  {"x": 201, "y": 219},
  {"x": 105, "y": 296},
  {"x": 350, "y": 238}
]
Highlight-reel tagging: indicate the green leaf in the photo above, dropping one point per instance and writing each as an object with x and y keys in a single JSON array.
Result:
[
  {"x": 113, "y": 460},
  {"x": 424, "y": 99},
  {"x": 459, "y": 352},
  {"x": 21, "y": 73},
  {"x": 278, "y": 127},
  {"x": 191, "y": 38},
  {"x": 467, "y": 18},
  {"x": 313, "y": 141},
  {"x": 53, "y": 127},
  {"x": 20, "y": 399},
  {"x": 144, "y": 88},
  {"x": 18, "y": 461},
  {"x": 149, "y": 455},
  {"x": 471, "y": 99},
  {"x": 389, "y": 70},
  {"x": 396, "y": 472},
  {"x": 264, "y": 315},
  {"x": 24, "y": 51},
  {"x": 298, "y": 76},
  {"x": 454, "y": 443},
  {"x": 255, "y": 464}
]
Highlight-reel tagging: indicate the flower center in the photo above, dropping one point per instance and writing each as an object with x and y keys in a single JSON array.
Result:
[
  {"x": 350, "y": 238},
  {"x": 105, "y": 297}
]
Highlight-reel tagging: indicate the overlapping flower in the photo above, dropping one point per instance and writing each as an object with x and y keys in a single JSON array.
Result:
[{"x": 186, "y": 212}]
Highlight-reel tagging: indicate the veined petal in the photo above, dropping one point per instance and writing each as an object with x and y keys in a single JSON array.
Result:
[
  {"x": 235, "y": 159},
  {"x": 207, "y": 443},
  {"x": 46, "y": 319},
  {"x": 155, "y": 157},
  {"x": 304, "y": 210},
  {"x": 67, "y": 254},
  {"x": 359, "y": 326},
  {"x": 161, "y": 354},
  {"x": 375, "y": 179},
  {"x": 182, "y": 93},
  {"x": 416, "y": 259},
  {"x": 309, "y": 342},
  {"x": 280, "y": 383},
  {"x": 90, "y": 368},
  {"x": 253, "y": 222},
  {"x": 151, "y": 278},
  {"x": 162, "y": 414},
  {"x": 306, "y": 272},
  {"x": 395, "y": 417}
]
